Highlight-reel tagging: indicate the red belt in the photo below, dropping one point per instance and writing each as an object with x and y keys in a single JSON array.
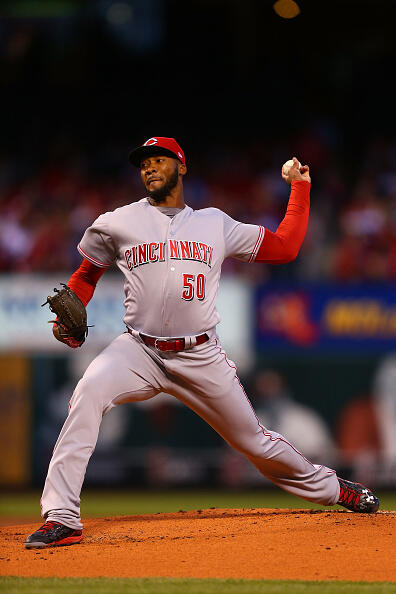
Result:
[{"x": 170, "y": 344}]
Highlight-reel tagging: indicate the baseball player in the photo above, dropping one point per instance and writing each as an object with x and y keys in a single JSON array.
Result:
[{"x": 171, "y": 257}]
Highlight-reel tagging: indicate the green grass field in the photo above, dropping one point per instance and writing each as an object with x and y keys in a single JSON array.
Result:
[
  {"x": 120, "y": 503},
  {"x": 15, "y": 585},
  {"x": 25, "y": 506}
]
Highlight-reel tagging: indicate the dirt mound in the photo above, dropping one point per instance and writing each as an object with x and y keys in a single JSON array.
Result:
[{"x": 217, "y": 543}]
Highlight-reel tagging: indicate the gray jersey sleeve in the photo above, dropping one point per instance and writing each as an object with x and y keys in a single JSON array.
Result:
[
  {"x": 97, "y": 245},
  {"x": 241, "y": 241}
]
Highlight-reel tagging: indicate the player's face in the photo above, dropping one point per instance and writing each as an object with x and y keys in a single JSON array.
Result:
[{"x": 160, "y": 174}]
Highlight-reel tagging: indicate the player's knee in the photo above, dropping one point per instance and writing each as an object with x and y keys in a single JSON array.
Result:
[{"x": 249, "y": 448}]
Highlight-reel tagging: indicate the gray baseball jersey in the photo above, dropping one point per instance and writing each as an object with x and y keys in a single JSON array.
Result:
[{"x": 171, "y": 266}]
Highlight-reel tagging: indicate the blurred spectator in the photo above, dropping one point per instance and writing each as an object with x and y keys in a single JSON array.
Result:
[
  {"x": 359, "y": 439},
  {"x": 367, "y": 429},
  {"x": 302, "y": 426},
  {"x": 278, "y": 412},
  {"x": 385, "y": 406},
  {"x": 364, "y": 248}
]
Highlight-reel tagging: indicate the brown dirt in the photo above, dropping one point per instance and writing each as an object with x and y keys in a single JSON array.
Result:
[{"x": 250, "y": 543}]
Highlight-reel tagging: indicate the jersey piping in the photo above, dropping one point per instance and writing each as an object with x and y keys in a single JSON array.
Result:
[
  {"x": 96, "y": 262},
  {"x": 257, "y": 244}
]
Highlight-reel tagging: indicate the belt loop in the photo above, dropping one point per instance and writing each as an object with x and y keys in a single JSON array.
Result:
[
  {"x": 190, "y": 341},
  {"x": 134, "y": 333}
]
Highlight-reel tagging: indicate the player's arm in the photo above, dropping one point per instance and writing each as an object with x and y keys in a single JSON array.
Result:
[
  {"x": 83, "y": 282},
  {"x": 283, "y": 245}
]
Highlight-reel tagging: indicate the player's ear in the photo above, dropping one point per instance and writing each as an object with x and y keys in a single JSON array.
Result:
[{"x": 182, "y": 169}]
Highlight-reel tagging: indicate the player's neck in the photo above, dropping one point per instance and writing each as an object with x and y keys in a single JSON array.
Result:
[{"x": 175, "y": 199}]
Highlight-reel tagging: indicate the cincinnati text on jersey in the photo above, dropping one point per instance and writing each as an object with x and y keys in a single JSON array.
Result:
[{"x": 177, "y": 249}]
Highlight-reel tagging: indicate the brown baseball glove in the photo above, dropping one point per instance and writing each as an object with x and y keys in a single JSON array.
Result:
[{"x": 70, "y": 325}]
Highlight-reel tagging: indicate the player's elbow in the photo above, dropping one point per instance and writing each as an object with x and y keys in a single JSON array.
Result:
[
  {"x": 278, "y": 249},
  {"x": 290, "y": 253}
]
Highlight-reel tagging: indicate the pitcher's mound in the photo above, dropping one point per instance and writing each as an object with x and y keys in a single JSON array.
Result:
[{"x": 217, "y": 543}]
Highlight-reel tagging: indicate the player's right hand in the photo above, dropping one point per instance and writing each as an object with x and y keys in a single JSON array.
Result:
[{"x": 296, "y": 173}]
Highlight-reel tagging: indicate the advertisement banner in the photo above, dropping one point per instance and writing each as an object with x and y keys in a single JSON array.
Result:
[
  {"x": 24, "y": 323},
  {"x": 326, "y": 317}
]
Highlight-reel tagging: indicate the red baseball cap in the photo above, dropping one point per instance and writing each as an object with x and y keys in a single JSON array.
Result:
[{"x": 157, "y": 145}]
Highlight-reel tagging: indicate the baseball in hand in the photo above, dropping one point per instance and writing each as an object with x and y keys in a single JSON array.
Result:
[{"x": 286, "y": 166}]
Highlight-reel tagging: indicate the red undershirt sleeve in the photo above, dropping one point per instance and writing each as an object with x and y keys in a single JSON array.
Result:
[
  {"x": 284, "y": 245},
  {"x": 84, "y": 280}
]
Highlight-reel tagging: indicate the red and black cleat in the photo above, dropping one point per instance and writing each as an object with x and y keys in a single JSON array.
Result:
[
  {"x": 53, "y": 534},
  {"x": 357, "y": 498}
]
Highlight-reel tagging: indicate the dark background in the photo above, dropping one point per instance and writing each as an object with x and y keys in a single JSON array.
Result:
[{"x": 210, "y": 73}]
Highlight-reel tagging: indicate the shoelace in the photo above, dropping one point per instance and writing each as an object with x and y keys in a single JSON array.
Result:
[
  {"x": 47, "y": 526},
  {"x": 349, "y": 496}
]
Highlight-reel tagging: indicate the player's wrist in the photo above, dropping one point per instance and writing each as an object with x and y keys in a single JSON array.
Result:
[{"x": 300, "y": 182}]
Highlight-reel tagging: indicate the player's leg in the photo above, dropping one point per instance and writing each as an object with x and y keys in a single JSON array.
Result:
[
  {"x": 123, "y": 372},
  {"x": 206, "y": 381}
]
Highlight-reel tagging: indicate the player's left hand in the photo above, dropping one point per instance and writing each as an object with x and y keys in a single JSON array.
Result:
[
  {"x": 61, "y": 333},
  {"x": 296, "y": 173},
  {"x": 70, "y": 325}
]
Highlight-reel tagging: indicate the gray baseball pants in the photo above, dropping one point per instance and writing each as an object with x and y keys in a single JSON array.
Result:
[{"x": 203, "y": 379}]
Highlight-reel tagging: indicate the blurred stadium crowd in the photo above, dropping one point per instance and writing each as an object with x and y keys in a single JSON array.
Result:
[{"x": 352, "y": 230}]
